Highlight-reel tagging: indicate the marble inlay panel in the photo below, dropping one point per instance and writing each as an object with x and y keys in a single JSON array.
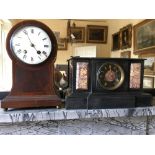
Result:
[
  {"x": 135, "y": 74},
  {"x": 82, "y": 76}
]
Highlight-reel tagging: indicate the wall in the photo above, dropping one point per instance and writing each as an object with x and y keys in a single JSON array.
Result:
[
  {"x": 114, "y": 26},
  {"x": 103, "y": 50},
  {"x": 60, "y": 25},
  {"x": 5, "y": 61}
]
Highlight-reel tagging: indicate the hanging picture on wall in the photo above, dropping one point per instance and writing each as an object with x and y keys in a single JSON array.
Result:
[
  {"x": 144, "y": 36},
  {"x": 148, "y": 82},
  {"x": 77, "y": 34},
  {"x": 115, "y": 41},
  {"x": 57, "y": 35},
  {"x": 126, "y": 37},
  {"x": 126, "y": 54},
  {"x": 149, "y": 65},
  {"x": 97, "y": 34},
  {"x": 62, "y": 44}
]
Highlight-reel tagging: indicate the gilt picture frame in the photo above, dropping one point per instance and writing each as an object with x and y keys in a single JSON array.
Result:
[
  {"x": 115, "y": 41},
  {"x": 148, "y": 82},
  {"x": 149, "y": 64},
  {"x": 62, "y": 44},
  {"x": 78, "y": 34},
  {"x": 126, "y": 37},
  {"x": 144, "y": 37},
  {"x": 97, "y": 34},
  {"x": 126, "y": 54}
]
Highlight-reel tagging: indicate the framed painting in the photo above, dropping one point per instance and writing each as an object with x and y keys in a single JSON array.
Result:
[
  {"x": 144, "y": 37},
  {"x": 77, "y": 34},
  {"x": 57, "y": 35},
  {"x": 97, "y": 34},
  {"x": 116, "y": 41},
  {"x": 62, "y": 44},
  {"x": 149, "y": 64},
  {"x": 126, "y": 37},
  {"x": 148, "y": 82},
  {"x": 126, "y": 54}
]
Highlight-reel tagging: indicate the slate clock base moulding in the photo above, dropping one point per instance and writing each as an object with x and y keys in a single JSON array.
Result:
[
  {"x": 99, "y": 83},
  {"x": 32, "y": 47}
]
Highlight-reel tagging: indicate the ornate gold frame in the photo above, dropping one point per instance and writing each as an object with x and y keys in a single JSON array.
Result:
[
  {"x": 146, "y": 29},
  {"x": 126, "y": 37},
  {"x": 97, "y": 34}
]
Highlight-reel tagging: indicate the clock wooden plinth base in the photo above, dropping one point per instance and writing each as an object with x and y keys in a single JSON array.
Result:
[{"x": 30, "y": 101}]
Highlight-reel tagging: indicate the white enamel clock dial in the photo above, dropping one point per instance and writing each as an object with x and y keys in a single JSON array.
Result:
[{"x": 31, "y": 45}]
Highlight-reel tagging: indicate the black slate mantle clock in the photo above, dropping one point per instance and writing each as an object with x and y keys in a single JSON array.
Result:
[
  {"x": 32, "y": 47},
  {"x": 97, "y": 83}
]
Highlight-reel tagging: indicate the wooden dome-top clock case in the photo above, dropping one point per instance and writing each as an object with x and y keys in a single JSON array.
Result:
[{"x": 32, "y": 47}]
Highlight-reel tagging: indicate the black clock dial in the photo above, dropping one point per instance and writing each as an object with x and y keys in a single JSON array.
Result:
[{"x": 110, "y": 76}]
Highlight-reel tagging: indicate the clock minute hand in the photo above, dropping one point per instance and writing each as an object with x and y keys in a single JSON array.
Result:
[
  {"x": 32, "y": 45},
  {"x": 26, "y": 33}
]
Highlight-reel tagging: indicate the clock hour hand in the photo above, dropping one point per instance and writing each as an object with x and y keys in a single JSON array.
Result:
[{"x": 32, "y": 45}]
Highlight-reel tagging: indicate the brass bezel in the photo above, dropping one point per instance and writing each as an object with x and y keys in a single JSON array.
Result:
[{"x": 119, "y": 83}]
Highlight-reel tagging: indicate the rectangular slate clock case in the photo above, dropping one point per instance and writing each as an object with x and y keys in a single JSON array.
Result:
[{"x": 99, "y": 83}]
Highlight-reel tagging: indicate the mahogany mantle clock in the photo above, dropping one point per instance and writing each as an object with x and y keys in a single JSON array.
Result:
[{"x": 32, "y": 47}]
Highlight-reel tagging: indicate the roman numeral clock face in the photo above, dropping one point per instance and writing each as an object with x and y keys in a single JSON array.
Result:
[{"x": 31, "y": 45}]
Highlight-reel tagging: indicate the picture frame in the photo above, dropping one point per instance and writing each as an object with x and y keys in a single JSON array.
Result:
[
  {"x": 126, "y": 54},
  {"x": 57, "y": 35},
  {"x": 144, "y": 37},
  {"x": 126, "y": 37},
  {"x": 148, "y": 82},
  {"x": 97, "y": 34},
  {"x": 149, "y": 64},
  {"x": 115, "y": 41},
  {"x": 62, "y": 44},
  {"x": 77, "y": 34}
]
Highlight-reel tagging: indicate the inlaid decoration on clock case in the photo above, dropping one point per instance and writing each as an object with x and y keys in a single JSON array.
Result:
[
  {"x": 97, "y": 83},
  {"x": 32, "y": 47}
]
